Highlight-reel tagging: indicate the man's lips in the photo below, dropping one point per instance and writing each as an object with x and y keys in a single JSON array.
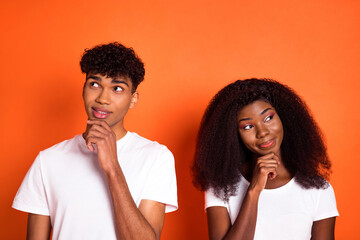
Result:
[
  {"x": 267, "y": 144},
  {"x": 100, "y": 113}
]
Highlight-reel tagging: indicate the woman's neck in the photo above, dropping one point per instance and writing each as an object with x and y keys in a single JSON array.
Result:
[{"x": 283, "y": 175}]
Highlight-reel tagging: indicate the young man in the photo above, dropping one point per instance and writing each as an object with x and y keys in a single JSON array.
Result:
[{"x": 107, "y": 183}]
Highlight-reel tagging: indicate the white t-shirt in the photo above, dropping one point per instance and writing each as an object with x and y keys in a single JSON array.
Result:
[
  {"x": 67, "y": 183},
  {"x": 284, "y": 213}
]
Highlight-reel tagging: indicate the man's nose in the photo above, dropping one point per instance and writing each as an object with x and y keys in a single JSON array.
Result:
[{"x": 103, "y": 97}]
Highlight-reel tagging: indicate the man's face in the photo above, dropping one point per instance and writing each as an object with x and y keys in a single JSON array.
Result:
[{"x": 108, "y": 99}]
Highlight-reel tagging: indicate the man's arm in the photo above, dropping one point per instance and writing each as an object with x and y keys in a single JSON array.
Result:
[
  {"x": 38, "y": 227},
  {"x": 154, "y": 213},
  {"x": 145, "y": 222}
]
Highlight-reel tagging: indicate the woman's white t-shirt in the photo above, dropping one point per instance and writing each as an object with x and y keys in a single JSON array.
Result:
[{"x": 284, "y": 213}]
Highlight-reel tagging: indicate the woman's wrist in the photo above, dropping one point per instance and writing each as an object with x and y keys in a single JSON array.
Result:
[{"x": 253, "y": 193}]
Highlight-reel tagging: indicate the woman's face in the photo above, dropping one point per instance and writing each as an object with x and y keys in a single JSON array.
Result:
[{"x": 260, "y": 128}]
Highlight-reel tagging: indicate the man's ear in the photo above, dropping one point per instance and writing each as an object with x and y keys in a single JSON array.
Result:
[{"x": 134, "y": 99}]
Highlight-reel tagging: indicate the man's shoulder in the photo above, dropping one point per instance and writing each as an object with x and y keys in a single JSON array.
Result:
[
  {"x": 64, "y": 146},
  {"x": 138, "y": 142}
]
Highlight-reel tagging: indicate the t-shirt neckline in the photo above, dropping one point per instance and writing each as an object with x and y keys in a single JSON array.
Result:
[
  {"x": 282, "y": 188},
  {"x": 119, "y": 142}
]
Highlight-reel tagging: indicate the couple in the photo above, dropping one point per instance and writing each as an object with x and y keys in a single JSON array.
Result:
[{"x": 257, "y": 145}]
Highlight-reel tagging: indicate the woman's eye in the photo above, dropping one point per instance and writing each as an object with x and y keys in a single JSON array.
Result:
[
  {"x": 268, "y": 118},
  {"x": 247, "y": 127},
  {"x": 94, "y": 84},
  {"x": 118, "y": 89}
]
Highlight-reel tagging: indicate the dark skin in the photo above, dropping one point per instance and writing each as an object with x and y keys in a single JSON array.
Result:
[
  {"x": 261, "y": 131},
  {"x": 145, "y": 222},
  {"x": 38, "y": 227},
  {"x": 107, "y": 101}
]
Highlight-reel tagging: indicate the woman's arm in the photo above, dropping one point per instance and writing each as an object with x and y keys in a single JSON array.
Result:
[
  {"x": 218, "y": 222},
  {"x": 38, "y": 227},
  {"x": 323, "y": 229},
  {"x": 244, "y": 226}
]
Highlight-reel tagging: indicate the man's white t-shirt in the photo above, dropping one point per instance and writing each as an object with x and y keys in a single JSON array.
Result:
[
  {"x": 67, "y": 183},
  {"x": 284, "y": 213}
]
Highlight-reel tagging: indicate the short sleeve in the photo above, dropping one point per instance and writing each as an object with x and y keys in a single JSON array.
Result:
[
  {"x": 211, "y": 200},
  {"x": 31, "y": 196},
  {"x": 161, "y": 185},
  {"x": 326, "y": 205}
]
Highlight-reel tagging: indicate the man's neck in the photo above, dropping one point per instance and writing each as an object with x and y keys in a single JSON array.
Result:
[{"x": 120, "y": 134}]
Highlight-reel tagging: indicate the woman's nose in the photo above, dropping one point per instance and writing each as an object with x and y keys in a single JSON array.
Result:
[{"x": 262, "y": 131}]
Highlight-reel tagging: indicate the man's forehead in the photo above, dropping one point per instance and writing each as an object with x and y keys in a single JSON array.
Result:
[{"x": 100, "y": 76}]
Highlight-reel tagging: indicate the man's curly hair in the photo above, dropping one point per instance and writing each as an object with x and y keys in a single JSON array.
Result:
[
  {"x": 220, "y": 152},
  {"x": 113, "y": 60}
]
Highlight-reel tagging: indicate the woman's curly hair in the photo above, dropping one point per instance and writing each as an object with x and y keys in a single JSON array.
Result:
[
  {"x": 220, "y": 152},
  {"x": 113, "y": 60}
]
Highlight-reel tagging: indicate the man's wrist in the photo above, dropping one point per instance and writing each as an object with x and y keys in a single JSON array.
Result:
[{"x": 112, "y": 170}]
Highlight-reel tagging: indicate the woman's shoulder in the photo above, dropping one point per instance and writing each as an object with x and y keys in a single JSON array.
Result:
[{"x": 316, "y": 191}]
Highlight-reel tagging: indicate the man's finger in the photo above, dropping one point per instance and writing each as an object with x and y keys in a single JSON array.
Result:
[{"x": 100, "y": 122}]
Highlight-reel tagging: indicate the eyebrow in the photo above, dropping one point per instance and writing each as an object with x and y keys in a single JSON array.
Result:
[
  {"x": 113, "y": 81},
  {"x": 93, "y": 77},
  {"x": 265, "y": 111},
  {"x": 262, "y": 113}
]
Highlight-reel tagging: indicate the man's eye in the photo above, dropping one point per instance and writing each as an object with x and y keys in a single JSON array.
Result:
[
  {"x": 118, "y": 89},
  {"x": 94, "y": 84}
]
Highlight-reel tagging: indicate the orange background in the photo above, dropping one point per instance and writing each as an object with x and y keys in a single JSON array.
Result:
[{"x": 191, "y": 50}]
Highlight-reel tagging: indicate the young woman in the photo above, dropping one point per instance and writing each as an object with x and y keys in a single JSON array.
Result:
[{"x": 262, "y": 161}]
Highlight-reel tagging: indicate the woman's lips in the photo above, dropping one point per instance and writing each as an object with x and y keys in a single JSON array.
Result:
[
  {"x": 100, "y": 113},
  {"x": 267, "y": 144}
]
